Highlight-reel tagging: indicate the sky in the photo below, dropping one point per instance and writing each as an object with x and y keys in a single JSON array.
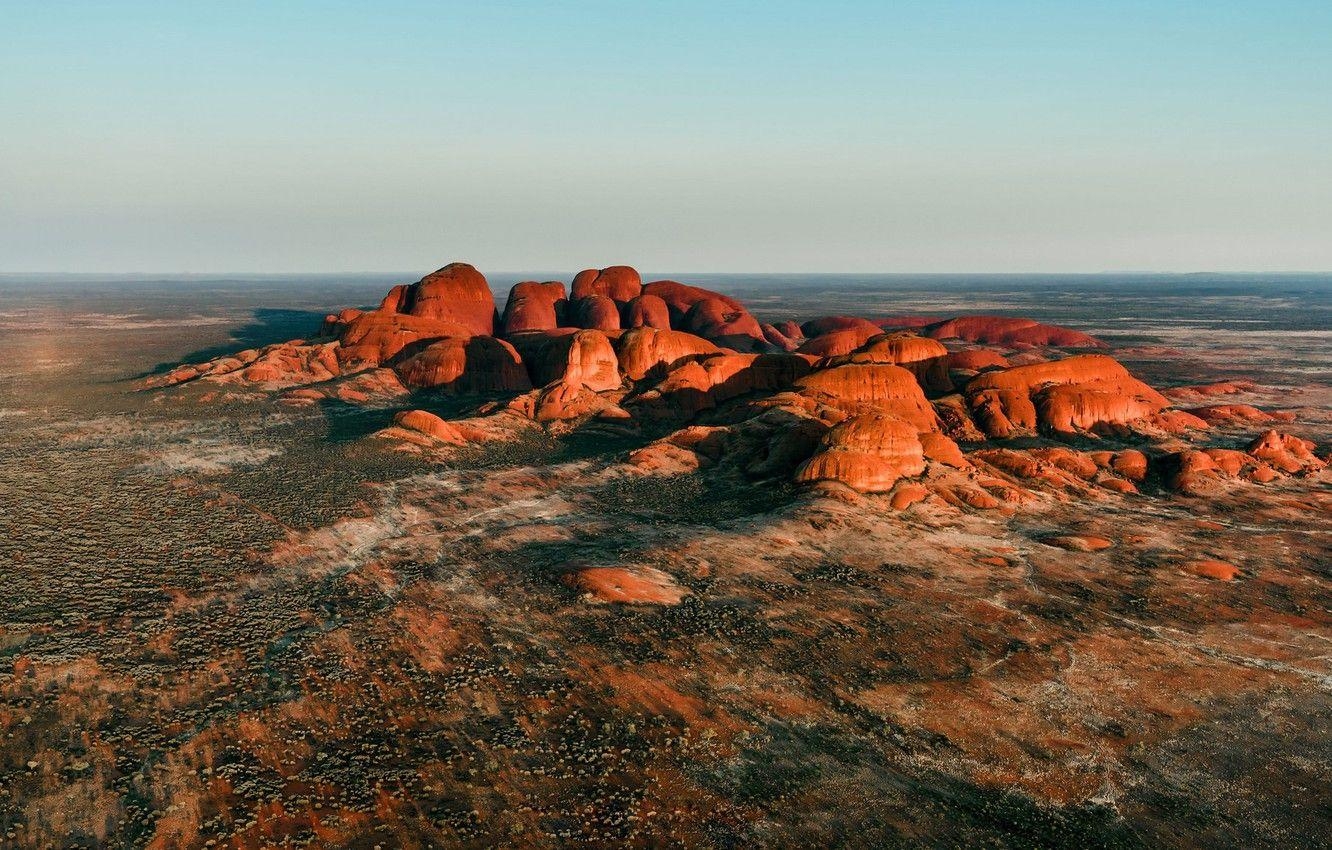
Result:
[{"x": 833, "y": 136}]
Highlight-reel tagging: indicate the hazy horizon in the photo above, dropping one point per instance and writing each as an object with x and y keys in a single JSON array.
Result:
[
  {"x": 649, "y": 274},
  {"x": 839, "y": 137}
]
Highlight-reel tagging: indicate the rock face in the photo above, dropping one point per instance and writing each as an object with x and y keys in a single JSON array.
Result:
[
  {"x": 976, "y": 360},
  {"x": 837, "y": 342},
  {"x": 577, "y": 357},
  {"x": 595, "y": 312},
  {"x": 831, "y": 324},
  {"x": 868, "y": 453},
  {"x": 618, "y": 283},
  {"x": 926, "y": 358},
  {"x": 679, "y": 297},
  {"x": 715, "y": 319},
  {"x": 533, "y": 306},
  {"x": 835, "y": 400},
  {"x": 1065, "y": 396},
  {"x": 872, "y": 387},
  {"x": 479, "y": 364},
  {"x": 429, "y": 424},
  {"x": 1287, "y": 453},
  {"x": 646, "y": 350},
  {"x": 377, "y": 337},
  {"x": 456, "y": 293},
  {"x": 704, "y": 383},
  {"x": 1003, "y": 330},
  {"x": 646, "y": 311}
]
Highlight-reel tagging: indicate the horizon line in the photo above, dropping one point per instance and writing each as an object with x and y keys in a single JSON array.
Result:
[{"x": 397, "y": 272}]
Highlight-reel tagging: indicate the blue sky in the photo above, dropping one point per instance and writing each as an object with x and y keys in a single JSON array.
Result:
[{"x": 833, "y": 136}]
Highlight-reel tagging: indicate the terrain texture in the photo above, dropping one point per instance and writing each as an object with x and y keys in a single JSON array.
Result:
[{"x": 617, "y": 564}]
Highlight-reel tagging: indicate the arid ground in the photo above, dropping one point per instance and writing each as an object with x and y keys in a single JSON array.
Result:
[{"x": 238, "y": 621}]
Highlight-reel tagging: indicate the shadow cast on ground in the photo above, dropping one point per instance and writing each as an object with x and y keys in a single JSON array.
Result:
[{"x": 267, "y": 326}]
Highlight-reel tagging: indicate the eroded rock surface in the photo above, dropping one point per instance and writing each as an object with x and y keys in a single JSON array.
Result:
[{"x": 829, "y": 400}]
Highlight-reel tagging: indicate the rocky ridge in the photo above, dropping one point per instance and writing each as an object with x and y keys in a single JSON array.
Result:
[{"x": 978, "y": 412}]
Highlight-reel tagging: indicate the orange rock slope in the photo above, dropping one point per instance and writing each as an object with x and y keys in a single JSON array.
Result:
[{"x": 837, "y": 401}]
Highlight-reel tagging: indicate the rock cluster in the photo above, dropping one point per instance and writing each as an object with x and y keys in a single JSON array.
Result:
[{"x": 836, "y": 401}]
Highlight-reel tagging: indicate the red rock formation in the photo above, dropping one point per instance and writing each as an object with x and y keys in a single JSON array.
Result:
[
  {"x": 907, "y": 494},
  {"x": 849, "y": 406},
  {"x": 377, "y": 337},
  {"x": 1130, "y": 463},
  {"x": 642, "y": 585},
  {"x": 702, "y": 384},
  {"x": 835, "y": 343},
  {"x": 906, "y": 322},
  {"x": 646, "y": 351},
  {"x": 717, "y": 320},
  {"x": 829, "y": 324},
  {"x": 533, "y": 306},
  {"x": 864, "y": 387},
  {"x": 1200, "y": 472},
  {"x": 867, "y": 453},
  {"x": 364, "y": 387},
  {"x": 773, "y": 336},
  {"x": 937, "y": 447},
  {"x": 1079, "y": 542},
  {"x": 577, "y": 357},
  {"x": 1206, "y": 391},
  {"x": 1225, "y": 414},
  {"x": 680, "y": 298},
  {"x": 335, "y": 322},
  {"x": 1213, "y": 569},
  {"x": 431, "y": 425},
  {"x": 1075, "y": 394},
  {"x": 480, "y": 364},
  {"x": 1003, "y": 330},
  {"x": 283, "y": 364},
  {"x": 955, "y": 419},
  {"x": 618, "y": 283},
  {"x": 685, "y": 450},
  {"x": 596, "y": 312},
  {"x": 1285, "y": 452},
  {"x": 925, "y": 358},
  {"x": 564, "y": 400},
  {"x": 976, "y": 360},
  {"x": 456, "y": 293},
  {"x": 646, "y": 311}
]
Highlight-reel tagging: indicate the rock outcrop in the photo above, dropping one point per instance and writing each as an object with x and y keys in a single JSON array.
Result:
[
  {"x": 595, "y": 312},
  {"x": 1289, "y": 454},
  {"x": 456, "y": 293},
  {"x": 647, "y": 350},
  {"x": 618, "y": 283},
  {"x": 835, "y": 401},
  {"x": 646, "y": 311},
  {"x": 926, "y": 358},
  {"x": 377, "y": 337},
  {"x": 872, "y": 388},
  {"x": 868, "y": 453},
  {"x": 1008, "y": 331},
  {"x": 533, "y": 306},
  {"x": 1078, "y": 393},
  {"x": 479, "y": 364},
  {"x": 577, "y": 357}
]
